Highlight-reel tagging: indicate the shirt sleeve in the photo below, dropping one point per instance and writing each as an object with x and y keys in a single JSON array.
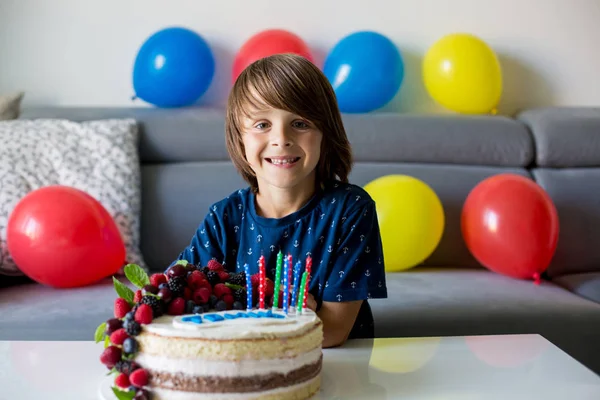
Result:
[
  {"x": 207, "y": 243},
  {"x": 356, "y": 272}
]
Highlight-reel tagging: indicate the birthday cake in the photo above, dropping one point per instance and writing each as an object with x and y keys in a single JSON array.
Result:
[{"x": 204, "y": 333}]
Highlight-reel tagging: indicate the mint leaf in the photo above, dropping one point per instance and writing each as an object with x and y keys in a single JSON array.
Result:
[
  {"x": 112, "y": 371},
  {"x": 99, "y": 335},
  {"x": 106, "y": 341},
  {"x": 232, "y": 286},
  {"x": 136, "y": 275},
  {"x": 182, "y": 262},
  {"x": 123, "y": 291},
  {"x": 121, "y": 395}
]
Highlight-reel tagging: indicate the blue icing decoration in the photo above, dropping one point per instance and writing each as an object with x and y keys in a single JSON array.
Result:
[
  {"x": 195, "y": 319},
  {"x": 252, "y": 314},
  {"x": 230, "y": 316},
  {"x": 214, "y": 317}
]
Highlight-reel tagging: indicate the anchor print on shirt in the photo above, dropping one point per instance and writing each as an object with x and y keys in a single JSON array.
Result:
[
  {"x": 367, "y": 250},
  {"x": 367, "y": 273},
  {"x": 322, "y": 215},
  {"x": 298, "y": 221},
  {"x": 272, "y": 247},
  {"x": 259, "y": 238},
  {"x": 202, "y": 231},
  {"x": 341, "y": 273},
  {"x": 250, "y": 251},
  {"x": 357, "y": 198},
  {"x": 239, "y": 206},
  {"x": 339, "y": 297},
  {"x": 333, "y": 201},
  {"x": 322, "y": 239},
  {"x": 309, "y": 230},
  {"x": 207, "y": 244},
  {"x": 251, "y": 227},
  {"x": 214, "y": 208},
  {"x": 329, "y": 249},
  {"x": 362, "y": 237},
  {"x": 192, "y": 248},
  {"x": 236, "y": 229},
  {"x": 353, "y": 284},
  {"x": 345, "y": 250},
  {"x": 343, "y": 219},
  {"x": 296, "y": 243},
  {"x": 285, "y": 234},
  {"x": 308, "y": 254}
]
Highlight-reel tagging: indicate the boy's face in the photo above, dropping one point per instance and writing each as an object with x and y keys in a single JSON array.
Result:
[{"x": 282, "y": 148}]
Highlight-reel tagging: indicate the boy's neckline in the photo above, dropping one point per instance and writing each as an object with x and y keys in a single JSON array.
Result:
[{"x": 288, "y": 219}]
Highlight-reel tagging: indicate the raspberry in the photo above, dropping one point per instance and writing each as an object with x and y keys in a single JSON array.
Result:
[
  {"x": 194, "y": 279},
  {"x": 126, "y": 366},
  {"x": 157, "y": 279},
  {"x": 213, "y": 278},
  {"x": 177, "y": 306},
  {"x": 214, "y": 265},
  {"x": 223, "y": 275},
  {"x": 110, "y": 356},
  {"x": 270, "y": 288},
  {"x": 187, "y": 293},
  {"x": 201, "y": 296},
  {"x": 205, "y": 284},
  {"x": 143, "y": 315},
  {"x": 118, "y": 336},
  {"x": 155, "y": 303},
  {"x": 139, "y": 378},
  {"x": 228, "y": 299},
  {"x": 255, "y": 279},
  {"x": 122, "y": 307},
  {"x": 138, "y": 296},
  {"x": 122, "y": 381},
  {"x": 220, "y": 290}
]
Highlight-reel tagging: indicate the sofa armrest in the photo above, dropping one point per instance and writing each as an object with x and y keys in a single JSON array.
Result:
[{"x": 586, "y": 285}]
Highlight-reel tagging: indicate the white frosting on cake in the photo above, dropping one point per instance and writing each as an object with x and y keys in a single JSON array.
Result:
[
  {"x": 230, "y": 329},
  {"x": 201, "y": 367}
]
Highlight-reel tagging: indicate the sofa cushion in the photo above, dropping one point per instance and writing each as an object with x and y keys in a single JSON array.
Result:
[
  {"x": 576, "y": 194},
  {"x": 565, "y": 136},
  {"x": 10, "y": 106},
  {"x": 585, "y": 284},
  {"x": 98, "y": 157}
]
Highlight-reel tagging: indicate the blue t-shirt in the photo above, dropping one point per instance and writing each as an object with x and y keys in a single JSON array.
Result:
[{"x": 337, "y": 227}]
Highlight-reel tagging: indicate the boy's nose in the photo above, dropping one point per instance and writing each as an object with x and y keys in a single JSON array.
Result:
[{"x": 281, "y": 138}]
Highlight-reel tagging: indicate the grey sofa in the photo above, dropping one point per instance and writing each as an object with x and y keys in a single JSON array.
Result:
[{"x": 185, "y": 167}]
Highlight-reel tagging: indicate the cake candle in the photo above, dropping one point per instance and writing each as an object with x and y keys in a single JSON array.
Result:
[
  {"x": 248, "y": 287},
  {"x": 277, "y": 280},
  {"x": 297, "y": 268},
  {"x": 302, "y": 303},
  {"x": 286, "y": 285},
  {"x": 262, "y": 283},
  {"x": 305, "y": 291}
]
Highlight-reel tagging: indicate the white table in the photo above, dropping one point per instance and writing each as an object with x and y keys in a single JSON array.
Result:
[{"x": 452, "y": 368}]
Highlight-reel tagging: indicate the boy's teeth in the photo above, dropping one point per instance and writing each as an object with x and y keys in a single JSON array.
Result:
[{"x": 286, "y": 161}]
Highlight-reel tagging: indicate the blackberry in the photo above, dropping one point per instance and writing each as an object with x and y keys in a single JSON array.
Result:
[
  {"x": 213, "y": 278},
  {"x": 177, "y": 284},
  {"x": 240, "y": 295},
  {"x": 155, "y": 304},
  {"x": 126, "y": 367},
  {"x": 204, "y": 270},
  {"x": 132, "y": 328},
  {"x": 238, "y": 279}
]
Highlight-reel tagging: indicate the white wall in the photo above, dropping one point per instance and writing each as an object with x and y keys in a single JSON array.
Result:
[{"x": 74, "y": 52}]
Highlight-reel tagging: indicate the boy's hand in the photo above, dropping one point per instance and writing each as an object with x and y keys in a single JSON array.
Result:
[{"x": 311, "y": 302}]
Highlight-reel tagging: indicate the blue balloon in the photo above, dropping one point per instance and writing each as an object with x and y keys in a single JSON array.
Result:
[
  {"x": 365, "y": 70},
  {"x": 173, "y": 68}
]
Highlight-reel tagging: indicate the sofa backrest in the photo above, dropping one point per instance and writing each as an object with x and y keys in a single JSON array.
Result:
[
  {"x": 567, "y": 166},
  {"x": 185, "y": 166}
]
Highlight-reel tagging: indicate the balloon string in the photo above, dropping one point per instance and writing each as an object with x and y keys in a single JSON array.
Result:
[{"x": 536, "y": 278}]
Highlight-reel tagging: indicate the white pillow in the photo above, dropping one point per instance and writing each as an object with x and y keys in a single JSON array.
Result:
[{"x": 98, "y": 157}]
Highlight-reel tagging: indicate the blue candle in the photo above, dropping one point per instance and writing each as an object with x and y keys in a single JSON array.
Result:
[
  {"x": 286, "y": 285},
  {"x": 248, "y": 287},
  {"x": 297, "y": 268}
]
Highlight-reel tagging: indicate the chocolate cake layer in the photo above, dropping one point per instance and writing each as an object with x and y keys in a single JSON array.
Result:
[{"x": 216, "y": 384}]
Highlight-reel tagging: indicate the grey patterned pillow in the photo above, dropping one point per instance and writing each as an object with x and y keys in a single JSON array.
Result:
[
  {"x": 98, "y": 157},
  {"x": 10, "y": 106}
]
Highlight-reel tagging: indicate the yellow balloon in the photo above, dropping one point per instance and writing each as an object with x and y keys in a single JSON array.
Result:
[
  {"x": 411, "y": 219},
  {"x": 462, "y": 73},
  {"x": 404, "y": 355}
]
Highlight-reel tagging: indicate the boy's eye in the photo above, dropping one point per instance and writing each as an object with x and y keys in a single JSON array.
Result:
[
  {"x": 261, "y": 125},
  {"x": 300, "y": 125}
]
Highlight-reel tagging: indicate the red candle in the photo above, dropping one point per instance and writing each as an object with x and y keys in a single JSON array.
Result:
[
  {"x": 261, "y": 282},
  {"x": 308, "y": 267}
]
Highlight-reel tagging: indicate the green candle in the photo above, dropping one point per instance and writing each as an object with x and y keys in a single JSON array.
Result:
[
  {"x": 277, "y": 279},
  {"x": 301, "y": 292}
]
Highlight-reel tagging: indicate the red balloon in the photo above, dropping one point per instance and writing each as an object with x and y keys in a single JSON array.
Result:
[
  {"x": 267, "y": 43},
  {"x": 62, "y": 237},
  {"x": 510, "y": 225}
]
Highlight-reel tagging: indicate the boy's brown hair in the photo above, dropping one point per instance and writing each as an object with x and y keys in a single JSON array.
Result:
[{"x": 289, "y": 82}]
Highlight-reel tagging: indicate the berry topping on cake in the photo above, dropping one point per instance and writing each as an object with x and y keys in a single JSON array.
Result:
[
  {"x": 238, "y": 305},
  {"x": 112, "y": 325},
  {"x": 118, "y": 337},
  {"x": 221, "y": 289},
  {"x": 228, "y": 299},
  {"x": 139, "y": 378},
  {"x": 177, "y": 284},
  {"x": 110, "y": 356},
  {"x": 130, "y": 346},
  {"x": 149, "y": 289},
  {"x": 158, "y": 279},
  {"x": 221, "y": 306},
  {"x": 214, "y": 265},
  {"x": 255, "y": 279},
  {"x": 165, "y": 294},
  {"x": 122, "y": 307},
  {"x": 223, "y": 275},
  {"x": 177, "y": 306},
  {"x": 132, "y": 328},
  {"x": 213, "y": 278},
  {"x": 138, "y": 296},
  {"x": 201, "y": 296},
  {"x": 194, "y": 280},
  {"x": 175, "y": 271},
  {"x": 153, "y": 302},
  {"x": 126, "y": 366},
  {"x": 122, "y": 381},
  {"x": 141, "y": 394},
  {"x": 143, "y": 315},
  {"x": 238, "y": 279}
]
